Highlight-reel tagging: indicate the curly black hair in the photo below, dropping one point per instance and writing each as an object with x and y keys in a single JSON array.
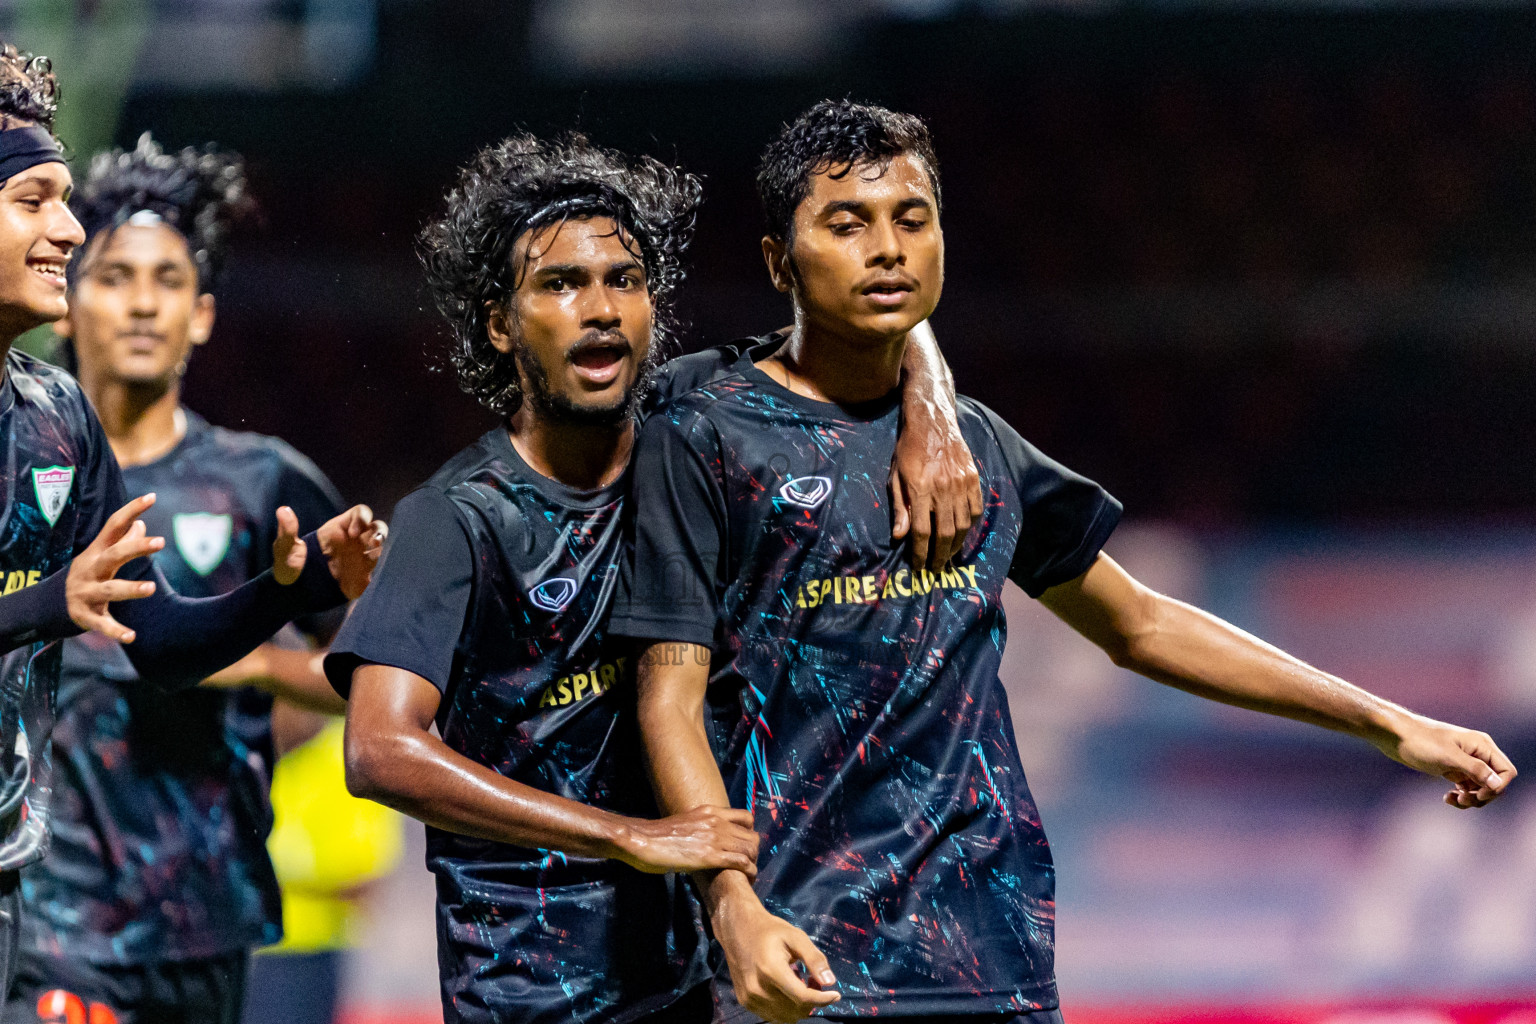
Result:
[
  {"x": 525, "y": 182},
  {"x": 835, "y": 136},
  {"x": 29, "y": 91},
  {"x": 201, "y": 192}
]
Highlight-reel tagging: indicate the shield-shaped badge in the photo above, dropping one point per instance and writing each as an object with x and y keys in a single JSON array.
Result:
[
  {"x": 52, "y": 487},
  {"x": 202, "y": 538}
]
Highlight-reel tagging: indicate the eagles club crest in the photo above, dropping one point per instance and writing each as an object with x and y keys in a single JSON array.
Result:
[
  {"x": 202, "y": 538},
  {"x": 52, "y": 488}
]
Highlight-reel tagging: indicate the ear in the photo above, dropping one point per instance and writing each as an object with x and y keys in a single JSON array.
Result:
[
  {"x": 202, "y": 319},
  {"x": 498, "y": 327},
  {"x": 776, "y": 255},
  {"x": 64, "y": 327}
]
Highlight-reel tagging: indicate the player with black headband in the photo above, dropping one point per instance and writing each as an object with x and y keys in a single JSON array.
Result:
[
  {"x": 157, "y": 884},
  {"x": 71, "y": 549},
  {"x": 556, "y": 262},
  {"x": 854, "y": 704}
]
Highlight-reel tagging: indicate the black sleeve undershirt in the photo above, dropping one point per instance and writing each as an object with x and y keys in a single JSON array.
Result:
[{"x": 179, "y": 641}]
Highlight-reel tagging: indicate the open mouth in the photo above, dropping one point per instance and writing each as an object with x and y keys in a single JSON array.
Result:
[{"x": 599, "y": 362}]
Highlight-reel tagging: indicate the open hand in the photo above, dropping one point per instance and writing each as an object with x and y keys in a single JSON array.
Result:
[
  {"x": 761, "y": 952},
  {"x": 92, "y": 584},
  {"x": 1469, "y": 760},
  {"x": 705, "y": 838},
  {"x": 935, "y": 489},
  {"x": 350, "y": 542}
]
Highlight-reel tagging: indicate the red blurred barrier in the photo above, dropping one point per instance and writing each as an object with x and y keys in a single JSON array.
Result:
[{"x": 1383, "y": 1011}]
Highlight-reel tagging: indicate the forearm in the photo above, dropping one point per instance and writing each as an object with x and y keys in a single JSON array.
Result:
[
  {"x": 929, "y": 390},
  {"x": 38, "y": 612},
  {"x": 182, "y": 641},
  {"x": 1195, "y": 651},
  {"x": 672, "y": 682},
  {"x": 418, "y": 774},
  {"x": 296, "y": 676}
]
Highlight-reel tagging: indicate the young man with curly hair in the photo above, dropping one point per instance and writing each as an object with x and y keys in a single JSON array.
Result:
[
  {"x": 853, "y": 704},
  {"x": 556, "y": 262},
  {"x": 69, "y": 536},
  {"x": 158, "y": 883}
]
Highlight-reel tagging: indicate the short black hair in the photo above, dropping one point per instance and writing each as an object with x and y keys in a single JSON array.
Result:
[
  {"x": 29, "y": 91},
  {"x": 523, "y": 183},
  {"x": 835, "y": 136},
  {"x": 199, "y": 191}
]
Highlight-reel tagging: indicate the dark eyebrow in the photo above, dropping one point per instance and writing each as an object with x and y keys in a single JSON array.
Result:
[
  {"x": 577, "y": 269},
  {"x": 855, "y": 206},
  {"x": 46, "y": 184},
  {"x": 560, "y": 269},
  {"x": 844, "y": 206}
]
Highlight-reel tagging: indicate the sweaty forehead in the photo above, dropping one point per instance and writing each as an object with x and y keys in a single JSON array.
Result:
[
  {"x": 902, "y": 179},
  {"x": 585, "y": 240}
]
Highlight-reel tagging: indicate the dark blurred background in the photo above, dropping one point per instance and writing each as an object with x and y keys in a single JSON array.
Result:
[
  {"x": 1267, "y": 270},
  {"x": 1247, "y": 265}
]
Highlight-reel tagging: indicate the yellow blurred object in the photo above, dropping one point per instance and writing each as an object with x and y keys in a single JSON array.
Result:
[{"x": 325, "y": 843}]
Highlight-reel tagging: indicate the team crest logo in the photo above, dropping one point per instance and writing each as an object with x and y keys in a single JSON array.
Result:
[
  {"x": 202, "y": 538},
  {"x": 806, "y": 491},
  {"x": 52, "y": 486},
  {"x": 553, "y": 595}
]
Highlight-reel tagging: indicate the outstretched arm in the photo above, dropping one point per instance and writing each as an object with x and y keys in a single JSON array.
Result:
[
  {"x": 393, "y": 757},
  {"x": 1179, "y": 645},
  {"x": 178, "y": 641},
  {"x": 935, "y": 489},
  {"x": 760, "y": 949}
]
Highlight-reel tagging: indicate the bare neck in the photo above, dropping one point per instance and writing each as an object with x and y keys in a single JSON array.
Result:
[
  {"x": 143, "y": 421},
  {"x": 582, "y": 456},
  {"x": 835, "y": 367}
]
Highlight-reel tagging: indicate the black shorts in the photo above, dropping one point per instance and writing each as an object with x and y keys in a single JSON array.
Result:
[
  {"x": 53, "y": 990},
  {"x": 728, "y": 1011},
  {"x": 695, "y": 1007}
]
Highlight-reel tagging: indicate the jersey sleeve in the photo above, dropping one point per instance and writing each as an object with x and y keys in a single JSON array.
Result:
[
  {"x": 1066, "y": 517},
  {"x": 412, "y": 614},
  {"x": 685, "y": 373},
  {"x": 302, "y": 487},
  {"x": 41, "y": 611},
  {"x": 672, "y": 571},
  {"x": 101, "y": 486}
]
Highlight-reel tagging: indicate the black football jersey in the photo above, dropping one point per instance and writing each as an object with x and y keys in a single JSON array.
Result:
[
  {"x": 160, "y": 803},
  {"x": 854, "y": 702}
]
